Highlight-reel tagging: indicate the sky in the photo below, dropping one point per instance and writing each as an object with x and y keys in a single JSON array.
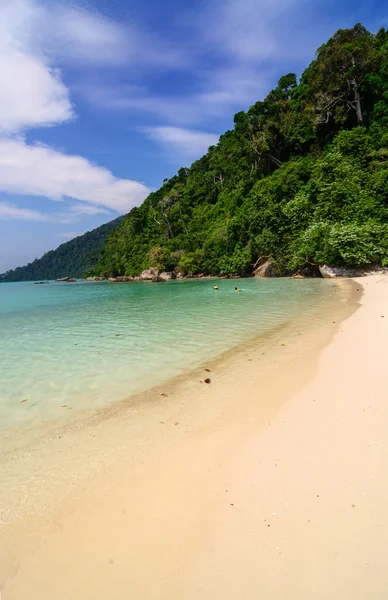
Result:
[{"x": 101, "y": 100}]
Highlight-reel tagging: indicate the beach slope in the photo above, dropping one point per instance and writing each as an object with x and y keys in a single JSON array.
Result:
[{"x": 281, "y": 495}]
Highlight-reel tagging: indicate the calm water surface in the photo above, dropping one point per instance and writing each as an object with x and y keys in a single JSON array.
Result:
[{"x": 86, "y": 345}]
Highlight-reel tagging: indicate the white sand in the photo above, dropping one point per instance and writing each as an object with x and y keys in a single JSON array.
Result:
[{"x": 273, "y": 486}]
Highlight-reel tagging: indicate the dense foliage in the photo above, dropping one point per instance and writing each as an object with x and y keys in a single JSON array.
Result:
[
  {"x": 302, "y": 178},
  {"x": 71, "y": 259}
]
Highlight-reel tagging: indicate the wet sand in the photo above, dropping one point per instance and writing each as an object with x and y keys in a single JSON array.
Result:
[{"x": 269, "y": 482}]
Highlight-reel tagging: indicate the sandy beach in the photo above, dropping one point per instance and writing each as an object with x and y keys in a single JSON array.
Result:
[{"x": 269, "y": 482}]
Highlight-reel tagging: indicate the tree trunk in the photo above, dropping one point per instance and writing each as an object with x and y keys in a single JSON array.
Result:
[
  {"x": 358, "y": 104},
  {"x": 168, "y": 225},
  {"x": 357, "y": 100}
]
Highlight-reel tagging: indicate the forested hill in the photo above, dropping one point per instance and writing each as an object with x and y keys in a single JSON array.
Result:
[
  {"x": 70, "y": 259},
  {"x": 302, "y": 179}
]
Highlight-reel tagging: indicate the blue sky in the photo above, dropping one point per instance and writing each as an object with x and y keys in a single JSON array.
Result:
[{"x": 102, "y": 99}]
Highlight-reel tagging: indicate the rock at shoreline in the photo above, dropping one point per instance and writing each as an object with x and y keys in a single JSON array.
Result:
[
  {"x": 264, "y": 270},
  {"x": 150, "y": 275},
  {"x": 332, "y": 272},
  {"x": 167, "y": 276},
  {"x": 121, "y": 279}
]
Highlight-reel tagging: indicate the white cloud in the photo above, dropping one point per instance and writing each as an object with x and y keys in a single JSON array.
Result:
[
  {"x": 31, "y": 90},
  {"x": 189, "y": 142},
  {"x": 41, "y": 171},
  {"x": 36, "y": 36}
]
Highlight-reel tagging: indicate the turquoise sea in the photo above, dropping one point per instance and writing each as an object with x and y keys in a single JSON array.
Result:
[{"x": 89, "y": 344}]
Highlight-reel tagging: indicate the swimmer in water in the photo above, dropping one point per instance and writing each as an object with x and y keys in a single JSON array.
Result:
[
  {"x": 236, "y": 289},
  {"x": 215, "y": 287}
]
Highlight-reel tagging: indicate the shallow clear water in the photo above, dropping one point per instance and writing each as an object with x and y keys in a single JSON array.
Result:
[{"x": 86, "y": 345}]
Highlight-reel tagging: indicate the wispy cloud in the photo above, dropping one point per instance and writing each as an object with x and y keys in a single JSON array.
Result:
[
  {"x": 36, "y": 37},
  {"x": 88, "y": 209},
  {"x": 71, "y": 214},
  {"x": 9, "y": 211},
  {"x": 191, "y": 143},
  {"x": 42, "y": 171},
  {"x": 216, "y": 98},
  {"x": 245, "y": 29},
  {"x": 69, "y": 235},
  {"x": 84, "y": 36},
  {"x": 234, "y": 48}
]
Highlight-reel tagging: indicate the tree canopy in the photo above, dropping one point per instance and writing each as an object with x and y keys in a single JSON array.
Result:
[{"x": 302, "y": 178}]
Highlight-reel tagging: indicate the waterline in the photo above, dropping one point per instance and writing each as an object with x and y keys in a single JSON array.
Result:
[{"x": 71, "y": 347}]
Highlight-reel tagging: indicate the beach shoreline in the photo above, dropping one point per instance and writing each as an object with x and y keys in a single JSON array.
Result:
[{"x": 192, "y": 463}]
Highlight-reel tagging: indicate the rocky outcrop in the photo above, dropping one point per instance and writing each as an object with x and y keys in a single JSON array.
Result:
[
  {"x": 166, "y": 276},
  {"x": 264, "y": 270},
  {"x": 150, "y": 275},
  {"x": 331, "y": 272},
  {"x": 121, "y": 279}
]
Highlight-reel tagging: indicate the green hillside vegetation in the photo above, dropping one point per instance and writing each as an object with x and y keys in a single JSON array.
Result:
[
  {"x": 302, "y": 179},
  {"x": 72, "y": 258}
]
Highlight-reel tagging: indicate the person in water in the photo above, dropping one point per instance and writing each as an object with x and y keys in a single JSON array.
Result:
[
  {"x": 236, "y": 289},
  {"x": 215, "y": 287}
]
